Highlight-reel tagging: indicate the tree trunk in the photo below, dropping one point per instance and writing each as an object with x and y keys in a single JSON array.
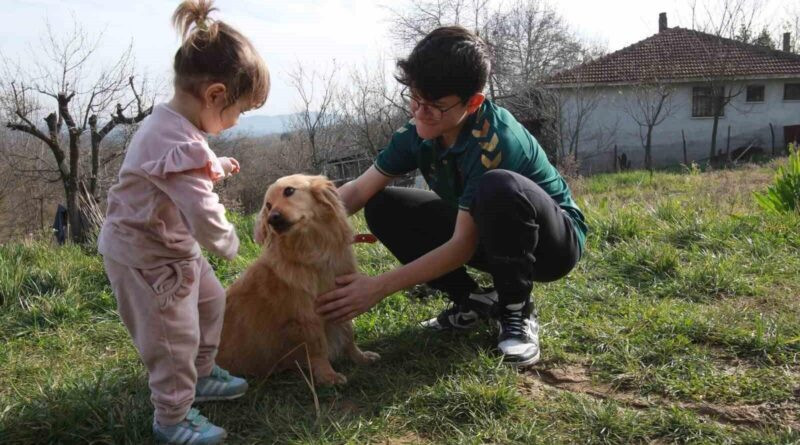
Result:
[
  {"x": 648, "y": 157},
  {"x": 713, "y": 151},
  {"x": 719, "y": 102},
  {"x": 76, "y": 227},
  {"x": 315, "y": 161},
  {"x": 95, "y": 164},
  {"x": 95, "y": 139},
  {"x": 575, "y": 143},
  {"x": 772, "y": 132},
  {"x": 685, "y": 158},
  {"x": 728, "y": 147}
]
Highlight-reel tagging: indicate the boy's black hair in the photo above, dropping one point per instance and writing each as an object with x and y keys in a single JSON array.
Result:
[{"x": 449, "y": 60}]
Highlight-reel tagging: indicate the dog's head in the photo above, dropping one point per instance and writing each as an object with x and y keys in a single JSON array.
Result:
[{"x": 296, "y": 204}]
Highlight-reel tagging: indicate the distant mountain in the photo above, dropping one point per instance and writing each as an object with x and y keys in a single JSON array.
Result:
[
  {"x": 253, "y": 126},
  {"x": 261, "y": 125}
]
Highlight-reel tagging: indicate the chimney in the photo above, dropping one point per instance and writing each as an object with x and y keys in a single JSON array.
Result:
[
  {"x": 786, "y": 38},
  {"x": 662, "y": 21}
]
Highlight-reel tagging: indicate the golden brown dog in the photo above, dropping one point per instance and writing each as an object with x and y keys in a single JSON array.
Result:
[{"x": 269, "y": 314}]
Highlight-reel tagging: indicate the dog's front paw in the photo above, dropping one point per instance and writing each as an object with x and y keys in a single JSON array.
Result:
[
  {"x": 370, "y": 357},
  {"x": 332, "y": 378}
]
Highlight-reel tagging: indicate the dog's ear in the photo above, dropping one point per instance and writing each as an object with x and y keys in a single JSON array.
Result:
[
  {"x": 260, "y": 230},
  {"x": 325, "y": 192}
]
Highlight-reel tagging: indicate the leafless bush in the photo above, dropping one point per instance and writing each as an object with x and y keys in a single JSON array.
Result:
[
  {"x": 569, "y": 167},
  {"x": 27, "y": 204}
]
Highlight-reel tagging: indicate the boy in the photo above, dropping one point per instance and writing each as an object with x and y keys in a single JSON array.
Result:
[{"x": 497, "y": 203}]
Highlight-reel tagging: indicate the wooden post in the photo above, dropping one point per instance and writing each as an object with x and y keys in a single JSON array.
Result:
[
  {"x": 772, "y": 131},
  {"x": 685, "y": 158},
  {"x": 41, "y": 213},
  {"x": 728, "y": 147}
]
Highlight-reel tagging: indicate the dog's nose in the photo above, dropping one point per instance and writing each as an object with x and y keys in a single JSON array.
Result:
[{"x": 275, "y": 218}]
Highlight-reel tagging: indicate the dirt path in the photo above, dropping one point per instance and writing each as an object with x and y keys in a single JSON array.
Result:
[{"x": 576, "y": 379}]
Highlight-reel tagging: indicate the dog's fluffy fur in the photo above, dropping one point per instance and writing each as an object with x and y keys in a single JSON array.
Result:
[{"x": 269, "y": 314}]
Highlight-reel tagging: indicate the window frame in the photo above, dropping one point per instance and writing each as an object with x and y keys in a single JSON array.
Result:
[
  {"x": 763, "y": 89},
  {"x": 706, "y": 93},
  {"x": 786, "y": 86}
]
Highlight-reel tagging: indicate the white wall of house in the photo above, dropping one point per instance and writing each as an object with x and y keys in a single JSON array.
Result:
[{"x": 609, "y": 122}]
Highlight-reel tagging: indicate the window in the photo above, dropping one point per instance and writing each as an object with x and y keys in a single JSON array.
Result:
[
  {"x": 791, "y": 91},
  {"x": 755, "y": 93},
  {"x": 704, "y": 100}
]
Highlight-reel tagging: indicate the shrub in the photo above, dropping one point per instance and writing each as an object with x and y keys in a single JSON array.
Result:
[{"x": 783, "y": 196}]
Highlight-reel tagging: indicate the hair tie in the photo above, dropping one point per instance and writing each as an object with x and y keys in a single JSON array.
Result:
[{"x": 202, "y": 25}]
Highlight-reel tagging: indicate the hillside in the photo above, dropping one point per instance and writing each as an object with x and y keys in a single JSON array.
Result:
[{"x": 680, "y": 325}]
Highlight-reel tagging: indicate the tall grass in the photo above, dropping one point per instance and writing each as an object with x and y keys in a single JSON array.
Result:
[{"x": 686, "y": 296}]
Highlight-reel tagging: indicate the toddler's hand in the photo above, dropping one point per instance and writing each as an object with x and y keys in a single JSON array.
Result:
[{"x": 229, "y": 165}]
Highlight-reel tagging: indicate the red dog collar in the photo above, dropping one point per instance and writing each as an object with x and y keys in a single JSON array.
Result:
[{"x": 365, "y": 238}]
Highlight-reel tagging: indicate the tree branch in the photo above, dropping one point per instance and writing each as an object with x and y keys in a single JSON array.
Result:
[
  {"x": 30, "y": 130},
  {"x": 63, "y": 109}
]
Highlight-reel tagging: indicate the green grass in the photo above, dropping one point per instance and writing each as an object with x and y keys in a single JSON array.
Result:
[{"x": 685, "y": 299}]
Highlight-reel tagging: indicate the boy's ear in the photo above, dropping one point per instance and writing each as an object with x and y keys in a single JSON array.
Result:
[{"x": 475, "y": 102}]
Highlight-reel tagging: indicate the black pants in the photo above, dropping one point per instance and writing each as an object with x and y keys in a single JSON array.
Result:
[{"x": 524, "y": 236}]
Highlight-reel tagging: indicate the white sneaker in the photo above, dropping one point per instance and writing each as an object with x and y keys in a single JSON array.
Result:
[{"x": 519, "y": 336}]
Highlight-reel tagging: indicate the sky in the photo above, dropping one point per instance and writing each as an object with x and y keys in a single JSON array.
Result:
[{"x": 311, "y": 32}]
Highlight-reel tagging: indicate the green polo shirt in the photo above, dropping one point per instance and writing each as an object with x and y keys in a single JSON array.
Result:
[{"x": 490, "y": 139}]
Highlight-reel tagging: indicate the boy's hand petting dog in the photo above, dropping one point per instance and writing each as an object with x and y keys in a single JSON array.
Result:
[
  {"x": 229, "y": 165},
  {"x": 356, "y": 293}
]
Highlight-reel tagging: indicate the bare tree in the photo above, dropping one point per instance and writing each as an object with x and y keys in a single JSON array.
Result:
[
  {"x": 80, "y": 95},
  {"x": 528, "y": 38},
  {"x": 530, "y": 41},
  {"x": 25, "y": 200},
  {"x": 139, "y": 106},
  {"x": 725, "y": 18},
  {"x": 718, "y": 21},
  {"x": 244, "y": 192},
  {"x": 290, "y": 154},
  {"x": 574, "y": 106},
  {"x": 371, "y": 109},
  {"x": 419, "y": 17},
  {"x": 648, "y": 106},
  {"x": 792, "y": 26},
  {"x": 721, "y": 94},
  {"x": 6, "y": 178},
  {"x": 317, "y": 112}
]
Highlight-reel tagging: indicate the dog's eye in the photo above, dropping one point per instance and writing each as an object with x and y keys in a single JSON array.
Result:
[
  {"x": 269, "y": 206},
  {"x": 288, "y": 191}
]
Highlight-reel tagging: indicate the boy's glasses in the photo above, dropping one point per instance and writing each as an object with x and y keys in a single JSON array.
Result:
[{"x": 434, "y": 111}]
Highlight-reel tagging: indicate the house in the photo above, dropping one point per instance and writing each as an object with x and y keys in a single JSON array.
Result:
[{"x": 669, "y": 92}]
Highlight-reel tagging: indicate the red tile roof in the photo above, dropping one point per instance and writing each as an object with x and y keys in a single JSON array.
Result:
[{"x": 681, "y": 54}]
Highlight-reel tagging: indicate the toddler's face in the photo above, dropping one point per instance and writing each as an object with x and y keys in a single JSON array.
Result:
[{"x": 216, "y": 118}]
